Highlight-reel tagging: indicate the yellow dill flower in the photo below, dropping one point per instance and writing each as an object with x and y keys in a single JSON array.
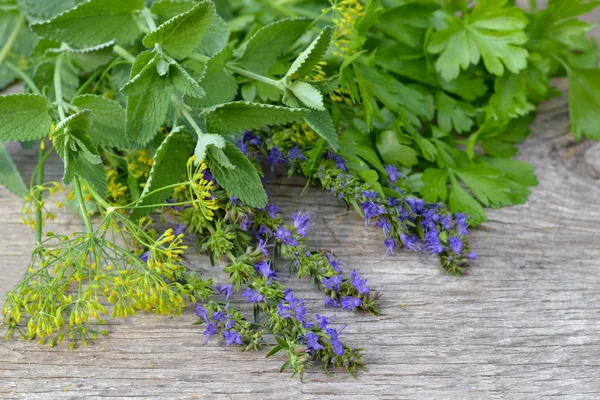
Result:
[{"x": 344, "y": 14}]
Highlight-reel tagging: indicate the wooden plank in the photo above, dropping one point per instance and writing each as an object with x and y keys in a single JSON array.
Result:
[{"x": 523, "y": 323}]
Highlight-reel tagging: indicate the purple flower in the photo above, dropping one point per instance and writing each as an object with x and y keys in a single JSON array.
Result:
[
  {"x": 338, "y": 347},
  {"x": 392, "y": 173},
  {"x": 230, "y": 323},
  {"x": 208, "y": 176},
  {"x": 253, "y": 296},
  {"x": 201, "y": 312},
  {"x": 339, "y": 161},
  {"x": 390, "y": 246},
  {"x": 275, "y": 157},
  {"x": 262, "y": 246},
  {"x": 295, "y": 304},
  {"x": 242, "y": 146},
  {"x": 296, "y": 154},
  {"x": 284, "y": 311},
  {"x": 446, "y": 222},
  {"x": 350, "y": 303},
  {"x": 329, "y": 302},
  {"x": 312, "y": 342},
  {"x": 434, "y": 245},
  {"x": 226, "y": 290},
  {"x": 358, "y": 283},
  {"x": 272, "y": 210},
  {"x": 175, "y": 209},
  {"x": 332, "y": 283},
  {"x": 322, "y": 321},
  {"x": 218, "y": 316},
  {"x": 232, "y": 338},
  {"x": 245, "y": 223},
  {"x": 285, "y": 236},
  {"x": 335, "y": 264},
  {"x": 410, "y": 242},
  {"x": 264, "y": 267},
  {"x": 472, "y": 256},
  {"x": 264, "y": 231},
  {"x": 369, "y": 194},
  {"x": 416, "y": 205},
  {"x": 252, "y": 139},
  {"x": 371, "y": 210},
  {"x": 179, "y": 229},
  {"x": 302, "y": 223},
  {"x": 211, "y": 330},
  {"x": 145, "y": 256},
  {"x": 234, "y": 200},
  {"x": 385, "y": 225},
  {"x": 462, "y": 224},
  {"x": 456, "y": 245}
]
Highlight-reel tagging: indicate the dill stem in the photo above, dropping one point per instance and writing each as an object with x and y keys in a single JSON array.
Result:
[
  {"x": 38, "y": 212},
  {"x": 82, "y": 207}
]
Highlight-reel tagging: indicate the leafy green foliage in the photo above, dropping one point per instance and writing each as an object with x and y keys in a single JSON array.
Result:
[
  {"x": 108, "y": 128},
  {"x": 94, "y": 22},
  {"x": 180, "y": 35},
  {"x": 169, "y": 167},
  {"x": 240, "y": 178},
  {"x": 24, "y": 117},
  {"x": 264, "y": 47},
  {"x": 9, "y": 174},
  {"x": 310, "y": 57},
  {"x": 237, "y": 117},
  {"x": 584, "y": 92}
]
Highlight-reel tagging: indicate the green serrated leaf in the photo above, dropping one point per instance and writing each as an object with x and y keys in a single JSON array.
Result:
[
  {"x": 39, "y": 11},
  {"x": 94, "y": 22},
  {"x": 242, "y": 181},
  {"x": 184, "y": 82},
  {"x": 584, "y": 103},
  {"x": 169, "y": 166},
  {"x": 453, "y": 114},
  {"x": 24, "y": 117},
  {"x": 216, "y": 38},
  {"x": 144, "y": 72},
  {"x": 393, "y": 152},
  {"x": 460, "y": 201},
  {"x": 206, "y": 140},
  {"x": 483, "y": 182},
  {"x": 309, "y": 95},
  {"x": 304, "y": 64},
  {"x": 9, "y": 174},
  {"x": 268, "y": 43},
  {"x": 219, "y": 85},
  {"x": 108, "y": 128},
  {"x": 167, "y": 9},
  {"x": 322, "y": 123},
  {"x": 240, "y": 116},
  {"x": 180, "y": 35}
]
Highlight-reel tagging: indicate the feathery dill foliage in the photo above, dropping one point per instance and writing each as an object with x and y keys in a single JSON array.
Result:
[{"x": 180, "y": 109}]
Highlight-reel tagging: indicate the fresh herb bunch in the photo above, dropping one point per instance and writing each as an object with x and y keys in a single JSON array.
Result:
[{"x": 155, "y": 106}]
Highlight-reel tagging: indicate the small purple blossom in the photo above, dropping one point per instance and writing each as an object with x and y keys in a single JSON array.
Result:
[
  {"x": 392, "y": 173},
  {"x": 262, "y": 247},
  {"x": 446, "y": 222},
  {"x": 390, "y": 246},
  {"x": 201, "y": 312},
  {"x": 211, "y": 330},
  {"x": 275, "y": 157},
  {"x": 385, "y": 225},
  {"x": 253, "y": 296},
  {"x": 371, "y": 210},
  {"x": 284, "y": 311},
  {"x": 242, "y": 146},
  {"x": 272, "y": 210},
  {"x": 234, "y": 200},
  {"x": 285, "y": 236},
  {"x": 145, "y": 256},
  {"x": 472, "y": 256},
  {"x": 302, "y": 223},
  {"x": 312, "y": 342},
  {"x": 339, "y": 161},
  {"x": 230, "y": 323},
  {"x": 332, "y": 283},
  {"x": 334, "y": 263},
  {"x": 264, "y": 267},
  {"x": 218, "y": 316},
  {"x": 323, "y": 322},
  {"x": 329, "y": 302},
  {"x": 232, "y": 338},
  {"x": 462, "y": 224},
  {"x": 358, "y": 283},
  {"x": 456, "y": 245},
  {"x": 410, "y": 242},
  {"x": 338, "y": 347},
  {"x": 296, "y": 154},
  {"x": 252, "y": 139},
  {"x": 179, "y": 229},
  {"x": 226, "y": 290},
  {"x": 350, "y": 303},
  {"x": 433, "y": 243}
]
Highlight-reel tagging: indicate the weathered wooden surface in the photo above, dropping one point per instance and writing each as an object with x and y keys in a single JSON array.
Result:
[{"x": 523, "y": 323}]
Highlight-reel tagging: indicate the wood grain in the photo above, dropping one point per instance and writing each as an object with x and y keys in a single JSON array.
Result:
[{"x": 524, "y": 323}]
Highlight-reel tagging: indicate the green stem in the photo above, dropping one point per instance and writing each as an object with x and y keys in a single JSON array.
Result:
[
  {"x": 124, "y": 53},
  {"x": 256, "y": 77},
  {"x": 26, "y": 78},
  {"x": 12, "y": 38},
  {"x": 58, "y": 86},
  {"x": 532, "y": 6},
  {"x": 184, "y": 110},
  {"x": 82, "y": 206}
]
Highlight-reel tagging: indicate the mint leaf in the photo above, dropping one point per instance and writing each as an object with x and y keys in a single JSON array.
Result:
[
  {"x": 322, "y": 123},
  {"x": 94, "y": 22},
  {"x": 167, "y": 9},
  {"x": 584, "y": 102},
  {"x": 184, "y": 82},
  {"x": 39, "y": 11},
  {"x": 492, "y": 31},
  {"x": 309, "y": 95},
  {"x": 146, "y": 112},
  {"x": 240, "y": 116},
  {"x": 206, "y": 140},
  {"x": 435, "y": 188},
  {"x": 219, "y": 85},
  {"x": 309, "y": 58},
  {"x": 264, "y": 47},
  {"x": 143, "y": 74},
  {"x": 108, "y": 128},
  {"x": 9, "y": 174},
  {"x": 180, "y": 35},
  {"x": 24, "y": 117},
  {"x": 216, "y": 38},
  {"x": 242, "y": 181},
  {"x": 170, "y": 161}
]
